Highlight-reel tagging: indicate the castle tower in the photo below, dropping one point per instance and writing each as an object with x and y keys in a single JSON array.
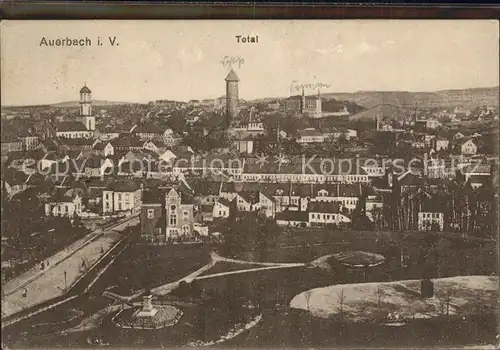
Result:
[
  {"x": 86, "y": 108},
  {"x": 231, "y": 96}
]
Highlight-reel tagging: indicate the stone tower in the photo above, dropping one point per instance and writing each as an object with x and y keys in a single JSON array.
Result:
[
  {"x": 86, "y": 108},
  {"x": 231, "y": 96}
]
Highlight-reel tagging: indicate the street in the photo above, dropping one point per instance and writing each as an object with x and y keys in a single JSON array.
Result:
[{"x": 65, "y": 268}]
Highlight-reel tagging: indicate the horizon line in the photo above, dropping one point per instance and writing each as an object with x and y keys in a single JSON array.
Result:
[{"x": 256, "y": 98}]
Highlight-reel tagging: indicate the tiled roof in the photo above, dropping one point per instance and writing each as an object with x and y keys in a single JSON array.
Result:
[
  {"x": 76, "y": 142},
  {"x": 129, "y": 186},
  {"x": 323, "y": 207},
  {"x": 249, "y": 196},
  {"x": 127, "y": 141},
  {"x": 292, "y": 216},
  {"x": 431, "y": 205},
  {"x": 148, "y": 128},
  {"x": 411, "y": 179},
  {"x": 153, "y": 197},
  {"x": 186, "y": 198},
  {"x": 224, "y": 202},
  {"x": 316, "y": 166},
  {"x": 207, "y": 208},
  {"x": 100, "y": 146},
  {"x": 95, "y": 192},
  {"x": 70, "y": 126},
  {"x": 205, "y": 188},
  {"x": 63, "y": 195},
  {"x": 309, "y": 132}
]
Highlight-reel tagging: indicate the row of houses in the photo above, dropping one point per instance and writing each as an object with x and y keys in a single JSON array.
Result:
[
  {"x": 75, "y": 199},
  {"x": 174, "y": 211}
]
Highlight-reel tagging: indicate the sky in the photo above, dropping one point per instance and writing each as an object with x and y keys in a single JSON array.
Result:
[{"x": 181, "y": 60}]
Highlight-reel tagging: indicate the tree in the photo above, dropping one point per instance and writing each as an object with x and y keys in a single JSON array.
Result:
[
  {"x": 307, "y": 295},
  {"x": 379, "y": 292},
  {"x": 341, "y": 300}
]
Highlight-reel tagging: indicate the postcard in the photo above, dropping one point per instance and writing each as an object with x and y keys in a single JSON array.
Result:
[{"x": 249, "y": 183}]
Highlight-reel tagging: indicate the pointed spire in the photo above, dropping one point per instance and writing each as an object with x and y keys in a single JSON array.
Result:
[
  {"x": 302, "y": 91},
  {"x": 318, "y": 94},
  {"x": 232, "y": 76}
]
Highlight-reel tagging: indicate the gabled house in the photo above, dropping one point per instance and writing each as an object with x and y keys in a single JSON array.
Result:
[
  {"x": 310, "y": 135},
  {"x": 67, "y": 203},
  {"x": 148, "y": 131},
  {"x": 166, "y": 215},
  {"x": 324, "y": 213},
  {"x": 122, "y": 197},
  {"x": 221, "y": 208},
  {"x": 104, "y": 149},
  {"x": 155, "y": 146},
  {"x": 171, "y": 138},
  {"x": 98, "y": 166},
  {"x": 177, "y": 152},
  {"x": 205, "y": 192},
  {"x": 14, "y": 181},
  {"x": 467, "y": 147},
  {"x": 127, "y": 142}
]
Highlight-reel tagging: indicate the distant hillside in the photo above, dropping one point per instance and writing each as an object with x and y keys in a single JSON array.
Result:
[
  {"x": 383, "y": 111},
  {"x": 95, "y": 103},
  {"x": 467, "y": 98}
]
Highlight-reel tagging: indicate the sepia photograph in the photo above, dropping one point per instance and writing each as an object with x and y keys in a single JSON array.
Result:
[{"x": 250, "y": 184}]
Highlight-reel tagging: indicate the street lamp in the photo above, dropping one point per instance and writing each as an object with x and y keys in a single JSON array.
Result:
[{"x": 65, "y": 281}]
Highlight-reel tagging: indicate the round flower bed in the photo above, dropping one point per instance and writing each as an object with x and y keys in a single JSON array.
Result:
[{"x": 166, "y": 316}]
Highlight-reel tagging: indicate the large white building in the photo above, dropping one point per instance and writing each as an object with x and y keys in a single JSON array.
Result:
[
  {"x": 427, "y": 220},
  {"x": 122, "y": 197}
]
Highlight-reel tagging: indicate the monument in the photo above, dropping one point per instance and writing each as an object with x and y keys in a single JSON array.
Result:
[{"x": 147, "y": 307}]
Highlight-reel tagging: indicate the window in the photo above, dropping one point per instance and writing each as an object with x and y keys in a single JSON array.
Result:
[
  {"x": 173, "y": 216},
  {"x": 119, "y": 206},
  {"x": 186, "y": 215},
  {"x": 151, "y": 213},
  {"x": 119, "y": 196},
  {"x": 220, "y": 213},
  {"x": 66, "y": 209}
]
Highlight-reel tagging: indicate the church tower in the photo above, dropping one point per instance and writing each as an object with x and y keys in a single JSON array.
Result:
[
  {"x": 86, "y": 108},
  {"x": 231, "y": 96}
]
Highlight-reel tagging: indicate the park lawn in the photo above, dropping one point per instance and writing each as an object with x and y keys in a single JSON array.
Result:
[
  {"x": 366, "y": 302},
  {"x": 144, "y": 266}
]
